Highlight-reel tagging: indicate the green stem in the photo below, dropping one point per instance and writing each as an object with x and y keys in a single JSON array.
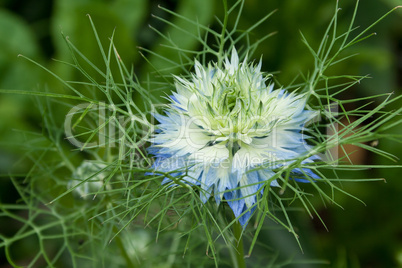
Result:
[
  {"x": 222, "y": 40},
  {"x": 237, "y": 232},
  {"x": 120, "y": 245}
]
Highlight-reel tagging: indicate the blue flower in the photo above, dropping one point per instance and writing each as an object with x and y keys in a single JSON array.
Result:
[{"x": 227, "y": 131}]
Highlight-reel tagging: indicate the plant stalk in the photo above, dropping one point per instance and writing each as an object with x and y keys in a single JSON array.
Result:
[
  {"x": 222, "y": 40},
  {"x": 237, "y": 232}
]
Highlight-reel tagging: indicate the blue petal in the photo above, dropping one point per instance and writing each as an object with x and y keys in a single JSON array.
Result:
[
  {"x": 173, "y": 97},
  {"x": 238, "y": 207},
  {"x": 205, "y": 194},
  {"x": 212, "y": 73},
  {"x": 301, "y": 175},
  {"x": 274, "y": 183},
  {"x": 250, "y": 190},
  {"x": 161, "y": 118},
  {"x": 246, "y": 217}
]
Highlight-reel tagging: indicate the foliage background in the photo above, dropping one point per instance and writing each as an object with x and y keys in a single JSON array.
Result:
[{"x": 358, "y": 236}]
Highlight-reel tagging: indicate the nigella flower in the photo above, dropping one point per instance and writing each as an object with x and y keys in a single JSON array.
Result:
[
  {"x": 227, "y": 131},
  {"x": 88, "y": 179}
]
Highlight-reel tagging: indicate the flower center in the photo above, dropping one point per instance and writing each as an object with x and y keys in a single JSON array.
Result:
[{"x": 230, "y": 100}]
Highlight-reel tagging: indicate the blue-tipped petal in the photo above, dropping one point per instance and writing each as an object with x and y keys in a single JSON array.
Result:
[{"x": 300, "y": 176}]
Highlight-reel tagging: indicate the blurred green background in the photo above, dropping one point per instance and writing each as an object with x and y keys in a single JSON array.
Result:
[{"x": 358, "y": 236}]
